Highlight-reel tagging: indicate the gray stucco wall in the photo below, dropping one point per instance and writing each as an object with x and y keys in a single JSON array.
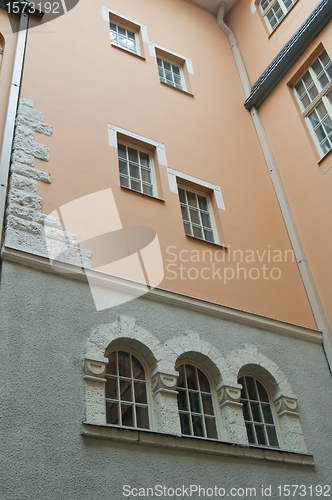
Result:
[{"x": 46, "y": 321}]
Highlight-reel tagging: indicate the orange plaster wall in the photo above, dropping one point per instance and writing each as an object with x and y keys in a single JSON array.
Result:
[
  {"x": 308, "y": 189},
  {"x": 82, "y": 83}
]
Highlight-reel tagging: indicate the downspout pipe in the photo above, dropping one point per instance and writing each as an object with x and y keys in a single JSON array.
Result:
[
  {"x": 293, "y": 234},
  {"x": 8, "y": 136}
]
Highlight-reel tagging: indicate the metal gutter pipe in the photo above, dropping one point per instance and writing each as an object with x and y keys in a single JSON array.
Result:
[
  {"x": 293, "y": 234},
  {"x": 11, "y": 116}
]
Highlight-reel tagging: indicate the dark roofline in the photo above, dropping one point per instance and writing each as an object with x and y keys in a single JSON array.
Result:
[{"x": 289, "y": 54}]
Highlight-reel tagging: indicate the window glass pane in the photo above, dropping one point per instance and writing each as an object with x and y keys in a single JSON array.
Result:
[
  {"x": 299, "y": 87},
  {"x": 136, "y": 186},
  {"x": 271, "y": 433},
  {"x": 191, "y": 199},
  {"x": 206, "y": 219},
  {"x": 208, "y": 235},
  {"x": 243, "y": 391},
  {"x": 185, "y": 215},
  {"x": 262, "y": 392},
  {"x": 246, "y": 414},
  {"x": 167, "y": 65},
  {"x": 197, "y": 425},
  {"x": 160, "y": 64},
  {"x": 197, "y": 232},
  {"x": 124, "y": 181},
  {"x": 261, "y": 439},
  {"x": 121, "y": 31},
  {"x": 187, "y": 229},
  {"x": 191, "y": 377},
  {"x": 307, "y": 79},
  {"x": 202, "y": 202},
  {"x": 194, "y": 216},
  {"x": 124, "y": 364},
  {"x": 203, "y": 381},
  {"x": 251, "y": 388},
  {"x": 182, "y": 196},
  {"x": 125, "y": 390},
  {"x": 140, "y": 392},
  {"x": 111, "y": 388},
  {"x": 195, "y": 405},
  {"x": 138, "y": 371},
  {"x": 146, "y": 175},
  {"x": 250, "y": 433},
  {"x": 131, "y": 35},
  {"x": 113, "y": 27},
  {"x": 185, "y": 427},
  {"x": 134, "y": 170},
  {"x": 127, "y": 415},
  {"x": 313, "y": 91},
  {"x": 133, "y": 155},
  {"x": 256, "y": 413},
  {"x": 211, "y": 431},
  {"x": 112, "y": 413},
  {"x": 142, "y": 417},
  {"x": 144, "y": 159},
  {"x": 123, "y": 167},
  {"x": 122, "y": 151},
  {"x": 267, "y": 414},
  {"x": 147, "y": 190},
  {"x": 207, "y": 404},
  {"x": 326, "y": 146},
  {"x": 182, "y": 400},
  {"x": 111, "y": 368},
  {"x": 123, "y": 41},
  {"x": 175, "y": 69}
]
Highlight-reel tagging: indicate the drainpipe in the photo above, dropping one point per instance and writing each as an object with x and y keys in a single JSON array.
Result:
[
  {"x": 11, "y": 116},
  {"x": 293, "y": 234}
]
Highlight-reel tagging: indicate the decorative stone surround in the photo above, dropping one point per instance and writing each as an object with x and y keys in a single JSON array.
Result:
[
  {"x": 162, "y": 358},
  {"x": 25, "y": 223}
]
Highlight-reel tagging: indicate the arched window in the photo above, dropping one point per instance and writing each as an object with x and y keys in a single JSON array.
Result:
[
  {"x": 126, "y": 391},
  {"x": 258, "y": 413},
  {"x": 274, "y": 11},
  {"x": 195, "y": 403}
]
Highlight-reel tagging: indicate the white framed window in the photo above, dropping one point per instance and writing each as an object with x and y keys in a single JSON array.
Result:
[
  {"x": 274, "y": 11},
  {"x": 258, "y": 412},
  {"x": 314, "y": 94},
  {"x": 195, "y": 402},
  {"x": 171, "y": 73},
  {"x": 197, "y": 214},
  {"x": 126, "y": 391},
  {"x": 136, "y": 169},
  {"x": 124, "y": 37}
]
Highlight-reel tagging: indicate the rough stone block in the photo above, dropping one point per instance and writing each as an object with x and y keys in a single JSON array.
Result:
[
  {"x": 25, "y": 199},
  {"x": 23, "y": 225},
  {"x": 23, "y": 183},
  {"x": 21, "y": 156},
  {"x": 56, "y": 234},
  {"x": 26, "y": 102},
  {"x": 30, "y": 112},
  {"x": 31, "y": 147},
  {"x": 19, "y": 211},
  {"x": 32, "y": 173}
]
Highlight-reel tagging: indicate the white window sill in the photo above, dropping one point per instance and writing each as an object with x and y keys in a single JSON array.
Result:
[
  {"x": 206, "y": 241},
  {"x": 192, "y": 445},
  {"x": 176, "y": 88},
  {"x": 140, "y": 193},
  {"x": 128, "y": 51}
]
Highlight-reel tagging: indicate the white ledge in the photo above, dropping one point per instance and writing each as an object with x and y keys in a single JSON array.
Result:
[
  {"x": 194, "y": 444},
  {"x": 167, "y": 297}
]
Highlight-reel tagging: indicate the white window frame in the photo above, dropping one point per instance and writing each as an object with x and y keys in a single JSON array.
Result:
[
  {"x": 215, "y": 402},
  {"x": 117, "y": 44},
  {"x": 139, "y": 28},
  {"x": 269, "y": 8},
  {"x": 321, "y": 97},
  {"x": 147, "y": 374},
  {"x": 152, "y": 169},
  {"x": 275, "y": 416},
  {"x": 172, "y": 63},
  {"x": 211, "y": 214}
]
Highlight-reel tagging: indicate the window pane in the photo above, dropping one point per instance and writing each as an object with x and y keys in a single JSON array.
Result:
[
  {"x": 206, "y": 220},
  {"x": 133, "y": 155},
  {"x": 184, "y": 211},
  {"x": 124, "y": 181},
  {"x": 191, "y": 377},
  {"x": 197, "y": 232},
  {"x": 211, "y": 431},
  {"x": 203, "y": 381},
  {"x": 185, "y": 427},
  {"x": 271, "y": 433},
  {"x": 197, "y": 425},
  {"x": 194, "y": 216},
  {"x": 182, "y": 196},
  {"x": 123, "y": 167},
  {"x": 246, "y": 414},
  {"x": 250, "y": 433},
  {"x": 144, "y": 159},
  {"x": 251, "y": 388},
  {"x": 147, "y": 189},
  {"x": 243, "y": 391},
  {"x": 195, "y": 405},
  {"x": 127, "y": 415},
  {"x": 256, "y": 413},
  {"x": 136, "y": 186},
  {"x": 262, "y": 392},
  {"x": 142, "y": 417},
  {"x": 182, "y": 400},
  {"x": 124, "y": 364},
  {"x": 202, "y": 202},
  {"x": 191, "y": 199},
  {"x": 125, "y": 390},
  {"x": 140, "y": 392},
  {"x": 112, "y": 413},
  {"x": 134, "y": 170},
  {"x": 208, "y": 235},
  {"x": 261, "y": 439},
  {"x": 122, "y": 151},
  {"x": 138, "y": 371},
  {"x": 267, "y": 414},
  {"x": 146, "y": 175},
  {"x": 181, "y": 381},
  {"x": 111, "y": 366},
  {"x": 207, "y": 404},
  {"x": 111, "y": 388}
]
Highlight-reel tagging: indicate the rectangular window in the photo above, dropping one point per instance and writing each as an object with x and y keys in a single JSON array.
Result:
[
  {"x": 274, "y": 11},
  {"x": 170, "y": 73},
  {"x": 314, "y": 94},
  {"x": 135, "y": 168},
  {"x": 124, "y": 38},
  {"x": 197, "y": 214}
]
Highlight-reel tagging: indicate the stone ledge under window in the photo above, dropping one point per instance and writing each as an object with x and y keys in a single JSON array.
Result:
[{"x": 194, "y": 444}]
